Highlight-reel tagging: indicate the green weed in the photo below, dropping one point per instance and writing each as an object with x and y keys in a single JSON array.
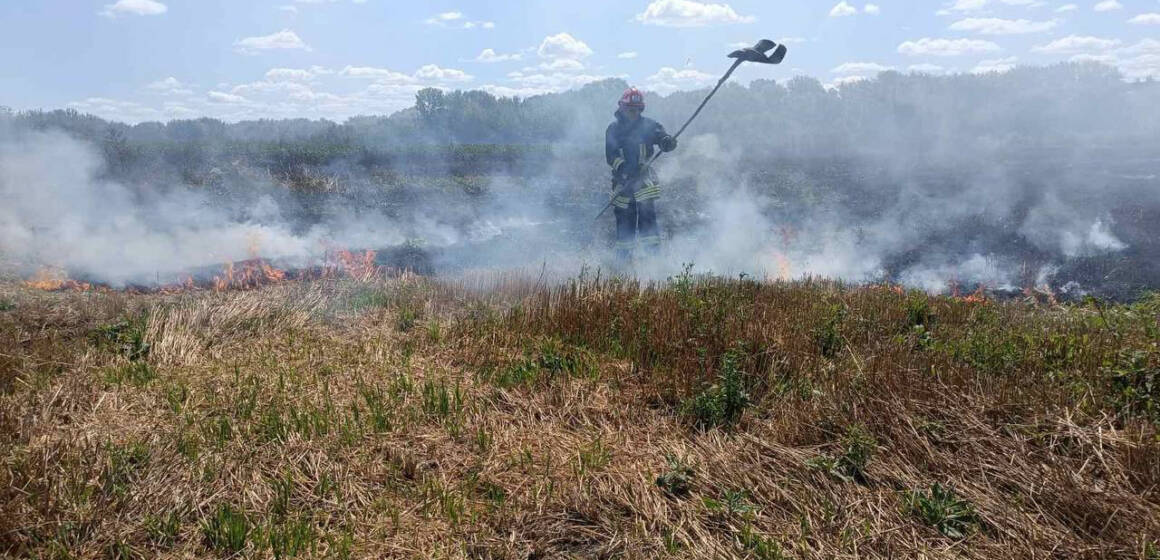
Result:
[
  {"x": 759, "y": 546},
  {"x": 827, "y": 335},
  {"x": 177, "y": 396},
  {"x": 406, "y": 318},
  {"x": 549, "y": 359},
  {"x": 678, "y": 477},
  {"x": 942, "y": 509},
  {"x": 918, "y": 311},
  {"x": 120, "y": 550},
  {"x": 592, "y": 457},
  {"x": 137, "y": 374},
  {"x": 283, "y": 489},
  {"x": 1135, "y": 383},
  {"x": 857, "y": 448},
  {"x": 483, "y": 439},
  {"x": 226, "y": 530},
  {"x": 379, "y": 413},
  {"x": 439, "y": 401},
  {"x": 291, "y": 538},
  {"x": 126, "y": 337},
  {"x": 732, "y": 503},
  {"x": 162, "y": 530},
  {"x": 6, "y": 305},
  {"x": 367, "y": 297},
  {"x": 723, "y": 403},
  {"x": 121, "y": 467}
]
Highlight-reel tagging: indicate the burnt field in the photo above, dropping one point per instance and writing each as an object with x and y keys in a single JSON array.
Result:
[
  {"x": 491, "y": 416},
  {"x": 1065, "y": 226}
]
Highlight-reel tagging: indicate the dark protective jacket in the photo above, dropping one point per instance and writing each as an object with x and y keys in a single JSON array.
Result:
[{"x": 628, "y": 145}]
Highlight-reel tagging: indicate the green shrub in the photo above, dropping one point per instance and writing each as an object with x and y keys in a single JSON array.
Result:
[
  {"x": 1135, "y": 383},
  {"x": 918, "y": 312},
  {"x": 722, "y": 403},
  {"x": 828, "y": 336}
]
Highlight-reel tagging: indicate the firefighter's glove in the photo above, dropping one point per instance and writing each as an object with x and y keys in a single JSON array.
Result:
[{"x": 668, "y": 144}]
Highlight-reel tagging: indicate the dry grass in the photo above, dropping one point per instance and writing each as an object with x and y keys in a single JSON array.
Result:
[{"x": 499, "y": 418}]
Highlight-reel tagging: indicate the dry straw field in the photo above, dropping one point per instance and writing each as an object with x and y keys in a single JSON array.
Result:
[{"x": 497, "y": 417}]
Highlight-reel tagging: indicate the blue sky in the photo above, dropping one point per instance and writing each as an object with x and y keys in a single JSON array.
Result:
[{"x": 136, "y": 60}]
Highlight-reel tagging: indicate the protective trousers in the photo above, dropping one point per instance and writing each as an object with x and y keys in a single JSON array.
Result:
[{"x": 636, "y": 220}]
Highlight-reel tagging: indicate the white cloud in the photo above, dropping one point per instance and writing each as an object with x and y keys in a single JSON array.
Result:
[
  {"x": 872, "y": 9},
  {"x": 1076, "y": 44},
  {"x": 386, "y": 77},
  {"x": 134, "y": 8},
  {"x": 687, "y": 13},
  {"x": 628, "y": 54},
  {"x": 444, "y": 17},
  {"x": 668, "y": 80},
  {"x": 946, "y": 47},
  {"x": 997, "y": 26},
  {"x": 843, "y": 9},
  {"x": 1107, "y": 6},
  {"x": 563, "y": 45},
  {"x": 861, "y": 68},
  {"x": 976, "y": 5},
  {"x": 489, "y": 55},
  {"x": 1144, "y": 47},
  {"x": 562, "y": 65},
  {"x": 506, "y": 91},
  {"x": 222, "y": 97},
  {"x": 380, "y": 75},
  {"x": 999, "y": 65},
  {"x": 1146, "y": 19},
  {"x": 536, "y": 82},
  {"x": 289, "y": 9},
  {"x": 838, "y": 83},
  {"x": 926, "y": 68},
  {"x": 125, "y": 111},
  {"x": 290, "y": 74},
  {"x": 169, "y": 86},
  {"x": 433, "y": 72},
  {"x": 1138, "y": 61},
  {"x": 457, "y": 20},
  {"x": 284, "y": 39},
  {"x": 1066, "y": 8},
  {"x": 1109, "y": 59}
]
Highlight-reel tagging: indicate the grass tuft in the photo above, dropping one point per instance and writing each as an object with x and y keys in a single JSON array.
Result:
[{"x": 226, "y": 530}]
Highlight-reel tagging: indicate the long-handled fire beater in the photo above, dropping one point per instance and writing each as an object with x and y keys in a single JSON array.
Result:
[{"x": 756, "y": 53}]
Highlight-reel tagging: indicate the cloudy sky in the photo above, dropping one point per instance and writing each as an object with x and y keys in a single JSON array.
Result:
[{"x": 136, "y": 60}]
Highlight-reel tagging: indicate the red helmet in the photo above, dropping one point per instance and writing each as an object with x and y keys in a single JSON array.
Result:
[{"x": 632, "y": 97}]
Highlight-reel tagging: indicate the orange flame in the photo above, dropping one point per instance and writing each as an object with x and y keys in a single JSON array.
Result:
[
  {"x": 359, "y": 266},
  {"x": 248, "y": 275},
  {"x": 55, "y": 280}
]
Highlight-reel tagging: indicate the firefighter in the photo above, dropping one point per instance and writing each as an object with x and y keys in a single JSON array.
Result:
[{"x": 628, "y": 145}]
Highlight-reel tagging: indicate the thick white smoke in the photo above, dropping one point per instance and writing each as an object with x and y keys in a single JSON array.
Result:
[{"x": 57, "y": 213}]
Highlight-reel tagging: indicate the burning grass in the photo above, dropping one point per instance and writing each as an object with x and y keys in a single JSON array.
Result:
[{"x": 498, "y": 418}]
